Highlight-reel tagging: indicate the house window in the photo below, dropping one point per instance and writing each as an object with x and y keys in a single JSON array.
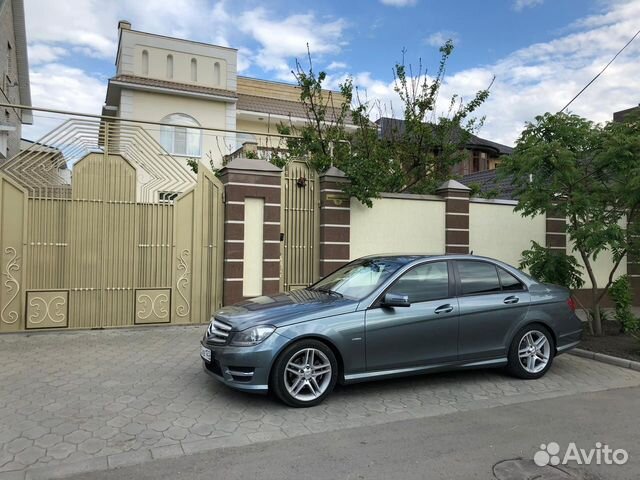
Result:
[
  {"x": 216, "y": 73},
  {"x": 178, "y": 138},
  {"x": 475, "y": 162},
  {"x": 194, "y": 70},
  {"x": 169, "y": 66},
  {"x": 145, "y": 62}
]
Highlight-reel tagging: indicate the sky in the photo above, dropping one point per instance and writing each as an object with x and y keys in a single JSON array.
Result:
[{"x": 541, "y": 52}]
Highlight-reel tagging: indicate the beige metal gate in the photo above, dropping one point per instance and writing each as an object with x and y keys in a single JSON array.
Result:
[
  {"x": 300, "y": 225},
  {"x": 99, "y": 227}
]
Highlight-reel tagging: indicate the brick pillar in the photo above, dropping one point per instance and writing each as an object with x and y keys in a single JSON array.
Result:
[
  {"x": 633, "y": 263},
  {"x": 244, "y": 178},
  {"x": 556, "y": 236},
  {"x": 456, "y": 196},
  {"x": 335, "y": 221}
]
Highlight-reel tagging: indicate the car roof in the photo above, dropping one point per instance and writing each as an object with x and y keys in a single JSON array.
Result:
[{"x": 406, "y": 258}]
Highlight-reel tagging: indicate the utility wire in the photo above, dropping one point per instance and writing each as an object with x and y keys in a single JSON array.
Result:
[{"x": 601, "y": 71}]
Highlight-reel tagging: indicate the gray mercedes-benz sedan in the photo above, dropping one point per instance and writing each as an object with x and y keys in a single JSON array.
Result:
[{"x": 386, "y": 316}]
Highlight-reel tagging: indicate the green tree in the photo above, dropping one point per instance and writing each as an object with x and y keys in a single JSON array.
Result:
[
  {"x": 571, "y": 168},
  {"x": 416, "y": 158}
]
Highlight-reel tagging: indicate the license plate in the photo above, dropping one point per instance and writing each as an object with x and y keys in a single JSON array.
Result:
[{"x": 205, "y": 353}]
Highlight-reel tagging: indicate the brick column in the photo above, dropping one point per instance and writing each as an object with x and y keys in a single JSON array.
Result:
[
  {"x": 335, "y": 221},
  {"x": 456, "y": 196},
  {"x": 633, "y": 263},
  {"x": 244, "y": 178}
]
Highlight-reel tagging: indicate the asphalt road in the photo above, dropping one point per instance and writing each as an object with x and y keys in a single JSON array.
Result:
[{"x": 465, "y": 445}]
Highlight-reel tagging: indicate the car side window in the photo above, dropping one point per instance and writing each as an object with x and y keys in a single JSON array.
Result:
[
  {"x": 508, "y": 281},
  {"x": 424, "y": 283},
  {"x": 478, "y": 277}
]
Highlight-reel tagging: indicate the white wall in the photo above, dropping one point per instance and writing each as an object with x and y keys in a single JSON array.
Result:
[
  {"x": 496, "y": 231},
  {"x": 413, "y": 224}
]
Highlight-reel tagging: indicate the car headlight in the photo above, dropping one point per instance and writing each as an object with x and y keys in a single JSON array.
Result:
[{"x": 252, "y": 336}]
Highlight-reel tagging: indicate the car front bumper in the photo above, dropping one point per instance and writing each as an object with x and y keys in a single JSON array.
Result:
[{"x": 243, "y": 368}]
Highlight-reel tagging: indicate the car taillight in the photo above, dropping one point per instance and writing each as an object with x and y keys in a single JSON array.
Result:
[{"x": 572, "y": 304}]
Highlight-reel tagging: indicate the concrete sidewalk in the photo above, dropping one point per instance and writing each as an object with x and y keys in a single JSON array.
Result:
[{"x": 91, "y": 400}]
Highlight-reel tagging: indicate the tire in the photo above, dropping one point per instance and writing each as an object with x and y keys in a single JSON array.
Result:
[
  {"x": 526, "y": 347},
  {"x": 304, "y": 374}
]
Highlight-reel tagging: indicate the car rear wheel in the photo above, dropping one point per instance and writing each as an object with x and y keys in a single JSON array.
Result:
[
  {"x": 305, "y": 373},
  {"x": 531, "y": 352}
]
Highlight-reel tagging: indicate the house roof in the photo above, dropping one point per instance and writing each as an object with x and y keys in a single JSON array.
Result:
[
  {"x": 276, "y": 106},
  {"x": 133, "y": 80},
  {"x": 620, "y": 116},
  {"x": 391, "y": 126},
  {"x": 489, "y": 181},
  {"x": 22, "y": 63}
]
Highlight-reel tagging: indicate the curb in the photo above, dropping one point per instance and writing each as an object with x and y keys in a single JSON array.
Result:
[{"x": 611, "y": 360}]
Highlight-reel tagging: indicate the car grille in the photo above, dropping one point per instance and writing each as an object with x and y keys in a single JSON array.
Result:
[{"x": 218, "y": 332}]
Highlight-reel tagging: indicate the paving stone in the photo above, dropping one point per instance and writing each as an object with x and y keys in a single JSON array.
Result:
[
  {"x": 78, "y": 436},
  {"x": 30, "y": 455},
  {"x": 19, "y": 444},
  {"x": 133, "y": 428},
  {"x": 48, "y": 440},
  {"x": 176, "y": 433},
  {"x": 61, "y": 450},
  {"x": 92, "y": 445},
  {"x": 35, "y": 432}
]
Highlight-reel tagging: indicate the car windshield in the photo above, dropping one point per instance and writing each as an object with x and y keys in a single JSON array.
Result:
[{"x": 358, "y": 279}]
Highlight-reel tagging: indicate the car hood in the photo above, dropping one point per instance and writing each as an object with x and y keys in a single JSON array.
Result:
[{"x": 284, "y": 309}]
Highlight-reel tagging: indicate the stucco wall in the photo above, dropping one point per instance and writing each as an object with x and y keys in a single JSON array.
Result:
[
  {"x": 181, "y": 66},
  {"x": 133, "y": 42},
  {"x": 496, "y": 231},
  {"x": 156, "y": 106},
  {"x": 413, "y": 224}
]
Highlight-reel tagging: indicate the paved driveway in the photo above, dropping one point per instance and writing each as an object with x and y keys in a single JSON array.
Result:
[{"x": 92, "y": 400}]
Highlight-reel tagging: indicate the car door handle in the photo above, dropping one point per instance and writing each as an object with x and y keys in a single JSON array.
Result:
[
  {"x": 511, "y": 299},
  {"x": 444, "y": 308}
]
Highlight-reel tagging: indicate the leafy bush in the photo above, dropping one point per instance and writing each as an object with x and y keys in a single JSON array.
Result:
[
  {"x": 550, "y": 266},
  {"x": 620, "y": 292}
]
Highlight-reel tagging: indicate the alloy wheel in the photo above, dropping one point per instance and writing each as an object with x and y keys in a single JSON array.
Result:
[
  {"x": 534, "y": 351},
  {"x": 307, "y": 374}
]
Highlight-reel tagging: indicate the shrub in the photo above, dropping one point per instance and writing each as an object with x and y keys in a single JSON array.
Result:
[
  {"x": 549, "y": 266},
  {"x": 620, "y": 292}
]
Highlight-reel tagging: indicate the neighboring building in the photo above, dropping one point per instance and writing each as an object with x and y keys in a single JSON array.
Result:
[
  {"x": 14, "y": 76},
  {"x": 622, "y": 114},
  {"x": 483, "y": 154},
  {"x": 193, "y": 84}
]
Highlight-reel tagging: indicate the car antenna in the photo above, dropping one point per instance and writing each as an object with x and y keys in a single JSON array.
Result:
[{"x": 471, "y": 252}]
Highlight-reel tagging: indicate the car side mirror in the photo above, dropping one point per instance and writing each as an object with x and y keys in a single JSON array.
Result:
[{"x": 396, "y": 300}]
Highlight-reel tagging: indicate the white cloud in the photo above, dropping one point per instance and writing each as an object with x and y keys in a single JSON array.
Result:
[
  {"x": 520, "y": 5},
  {"x": 437, "y": 39},
  {"x": 60, "y": 87},
  {"x": 282, "y": 39},
  {"x": 337, "y": 66},
  {"x": 42, "y": 53},
  {"x": 399, "y": 3}
]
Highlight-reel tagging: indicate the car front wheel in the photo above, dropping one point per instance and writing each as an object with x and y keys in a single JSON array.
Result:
[
  {"x": 531, "y": 352},
  {"x": 305, "y": 373}
]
